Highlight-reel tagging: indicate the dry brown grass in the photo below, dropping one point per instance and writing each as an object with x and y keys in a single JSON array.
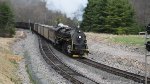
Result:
[
  {"x": 96, "y": 37},
  {"x": 8, "y": 61}
]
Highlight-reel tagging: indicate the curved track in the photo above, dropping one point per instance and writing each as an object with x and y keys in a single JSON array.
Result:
[
  {"x": 128, "y": 75},
  {"x": 64, "y": 70},
  {"x": 69, "y": 74}
]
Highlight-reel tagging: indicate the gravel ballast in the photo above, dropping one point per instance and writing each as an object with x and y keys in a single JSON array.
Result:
[
  {"x": 127, "y": 58},
  {"x": 99, "y": 76},
  {"x": 33, "y": 68}
]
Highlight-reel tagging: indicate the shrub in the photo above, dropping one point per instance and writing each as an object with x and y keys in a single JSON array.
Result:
[{"x": 121, "y": 30}]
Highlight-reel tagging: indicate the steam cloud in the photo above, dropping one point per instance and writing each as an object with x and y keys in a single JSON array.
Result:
[{"x": 72, "y": 8}]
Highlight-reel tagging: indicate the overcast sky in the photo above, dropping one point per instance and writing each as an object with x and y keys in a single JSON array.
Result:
[{"x": 70, "y": 7}]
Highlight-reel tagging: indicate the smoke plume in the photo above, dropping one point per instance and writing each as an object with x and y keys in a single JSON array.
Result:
[{"x": 72, "y": 8}]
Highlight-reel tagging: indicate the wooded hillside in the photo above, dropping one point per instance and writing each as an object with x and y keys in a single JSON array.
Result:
[
  {"x": 37, "y": 12},
  {"x": 116, "y": 16},
  {"x": 109, "y": 16}
]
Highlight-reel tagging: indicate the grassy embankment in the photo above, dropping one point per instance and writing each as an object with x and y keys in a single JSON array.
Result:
[
  {"x": 8, "y": 62},
  {"x": 133, "y": 40}
]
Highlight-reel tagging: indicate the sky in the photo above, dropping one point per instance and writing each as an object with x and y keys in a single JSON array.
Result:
[{"x": 72, "y": 8}]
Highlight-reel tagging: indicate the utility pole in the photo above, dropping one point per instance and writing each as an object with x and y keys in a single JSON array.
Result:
[
  {"x": 147, "y": 43},
  {"x": 29, "y": 24},
  {"x": 45, "y": 13},
  {"x": 146, "y": 58}
]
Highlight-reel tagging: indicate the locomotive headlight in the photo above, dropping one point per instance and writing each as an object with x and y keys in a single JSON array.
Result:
[
  {"x": 80, "y": 37},
  {"x": 148, "y": 46}
]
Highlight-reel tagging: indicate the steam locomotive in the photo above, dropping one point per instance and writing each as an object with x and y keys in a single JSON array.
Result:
[{"x": 71, "y": 40}]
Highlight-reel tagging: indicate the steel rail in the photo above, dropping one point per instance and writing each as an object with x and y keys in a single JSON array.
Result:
[
  {"x": 115, "y": 71},
  {"x": 56, "y": 67}
]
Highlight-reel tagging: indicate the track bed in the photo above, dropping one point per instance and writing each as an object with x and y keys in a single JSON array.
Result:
[
  {"x": 128, "y": 75},
  {"x": 64, "y": 70}
]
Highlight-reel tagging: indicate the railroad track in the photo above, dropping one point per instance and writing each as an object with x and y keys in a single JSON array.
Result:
[
  {"x": 70, "y": 74},
  {"x": 64, "y": 70},
  {"x": 118, "y": 72}
]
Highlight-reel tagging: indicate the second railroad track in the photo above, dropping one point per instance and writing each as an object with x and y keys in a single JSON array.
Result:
[{"x": 115, "y": 71}]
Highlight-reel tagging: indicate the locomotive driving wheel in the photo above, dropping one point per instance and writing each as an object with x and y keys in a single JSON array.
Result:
[
  {"x": 66, "y": 48},
  {"x": 69, "y": 49}
]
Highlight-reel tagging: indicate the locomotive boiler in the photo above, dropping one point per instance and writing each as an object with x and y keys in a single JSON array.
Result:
[{"x": 72, "y": 40}]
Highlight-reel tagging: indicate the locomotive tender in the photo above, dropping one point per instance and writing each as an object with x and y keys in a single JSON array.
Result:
[{"x": 72, "y": 41}]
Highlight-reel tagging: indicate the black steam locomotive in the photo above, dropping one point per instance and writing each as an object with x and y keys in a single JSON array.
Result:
[{"x": 71, "y": 40}]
